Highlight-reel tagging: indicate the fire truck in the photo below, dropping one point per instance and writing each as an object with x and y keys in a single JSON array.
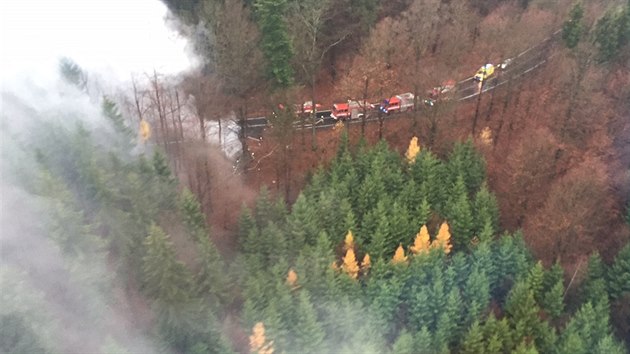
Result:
[
  {"x": 349, "y": 110},
  {"x": 398, "y": 103}
]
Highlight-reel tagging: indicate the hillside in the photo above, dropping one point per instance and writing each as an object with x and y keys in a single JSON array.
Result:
[{"x": 494, "y": 218}]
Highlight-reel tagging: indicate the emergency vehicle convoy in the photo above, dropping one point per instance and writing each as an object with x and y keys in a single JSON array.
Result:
[{"x": 355, "y": 109}]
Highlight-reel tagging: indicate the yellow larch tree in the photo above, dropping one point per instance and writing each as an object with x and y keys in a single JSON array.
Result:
[
  {"x": 366, "y": 264},
  {"x": 422, "y": 242},
  {"x": 292, "y": 279},
  {"x": 257, "y": 341},
  {"x": 399, "y": 256},
  {"x": 348, "y": 243},
  {"x": 350, "y": 265},
  {"x": 443, "y": 238},
  {"x": 412, "y": 150}
]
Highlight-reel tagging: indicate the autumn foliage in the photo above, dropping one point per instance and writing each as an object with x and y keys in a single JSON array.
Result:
[
  {"x": 350, "y": 265},
  {"x": 443, "y": 239},
  {"x": 421, "y": 243},
  {"x": 258, "y": 344}
]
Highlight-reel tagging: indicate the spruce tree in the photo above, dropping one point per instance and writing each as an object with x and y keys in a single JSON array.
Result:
[
  {"x": 572, "y": 29},
  {"x": 404, "y": 344},
  {"x": 423, "y": 341},
  {"x": 307, "y": 334},
  {"x": 473, "y": 342},
  {"x": 275, "y": 42},
  {"x": 193, "y": 218},
  {"x": 619, "y": 274}
]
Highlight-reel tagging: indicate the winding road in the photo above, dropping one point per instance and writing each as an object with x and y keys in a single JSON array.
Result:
[{"x": 520, "y": 65}]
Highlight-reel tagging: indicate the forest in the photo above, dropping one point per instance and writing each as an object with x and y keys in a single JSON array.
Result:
[{"x": 421, "y": 233}]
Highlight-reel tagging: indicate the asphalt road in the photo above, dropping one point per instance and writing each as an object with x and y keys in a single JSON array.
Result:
[{"x": 521, "y": 64}]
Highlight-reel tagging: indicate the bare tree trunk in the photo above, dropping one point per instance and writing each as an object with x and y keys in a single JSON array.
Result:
[
  {"x": 313, "y": 114},
  {"x": 242, "y": 115},
  {"x": 364, "y": 118},
  {"x": 161, "y": 115},
  {"x": 179, "y": 116},
  {"x": 506, "y": 102},
  {"x": 474, "y": 124},
  {"x": 136, "y": 98}
]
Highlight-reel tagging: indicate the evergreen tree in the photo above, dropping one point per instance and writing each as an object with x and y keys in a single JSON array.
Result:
[
  {"x": 168, "y": 283},
  {"x": 486, "y": 210},
  {"x": 521, "y": 307},
  {"x": 594, "y": 288},
  {"x": 465, "y": 161},
  {"x": 608, "y": 345},
  {"x": 553, "y": 300},
  {"x": 404, "y": 344},
  {"x": 423, "y": 341},
  {"x": 275, "y": 42},
  {"x": 193, "y": 218},
  {"x": 461, "y": 219},
  {"x": 301, "y": 224},
  {"x": 211, "y": 281},
  {"x": 307, "y": 334},
  {"x": 381, "y": 242},
  {"x": 590, "y": 325},
  {"x": 473, "y": 342},
  {"x": 619, "y": 274},
  {"x": 573, "y": 27},
  {"x": 535, "y": 280},
  {"x": 476, "y": 294}
]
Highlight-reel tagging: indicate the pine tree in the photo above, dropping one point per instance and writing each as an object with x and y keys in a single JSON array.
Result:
[
  {"x": 381, "y": 242},
  {"x": 535, "y": 280},
  {"x": 594, "y": 288},
  {"x": 553, "y": 300},
  {"x": 423, "y": 341},
  {"x": 308, "y": 334},
  {"x": 301, "y": 227},
  {"x": 275, "y": 42},
  {"x": 521, "y": 307},
  {"x": 573, "y": 27},
  {"x": 422, "y": 241},
  {"x": 424, "y": 212},
  {"x": 412, "y": 150},
  {"x": 476, "y": 294},
  {"x": 443, "y": 239},
  {"x": 473, "y": 342},
  {"x": 211, "y": 281},
  {"x": 399, "y": 256},
  {"x": 608, "y": 345},
  {"x": 169, "y": 284},
  {"x": 461, "y": 218},
  {"x": 619, "y": 274},
  {"x": 165, "y": 277},
  {"x": 404, "y": 344},
  {"x": 350, "y": 265},
  {"x": 486, "y": 211},
  {"x": 468, "y": 163},
  {"x": 193, "y": 218}
]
